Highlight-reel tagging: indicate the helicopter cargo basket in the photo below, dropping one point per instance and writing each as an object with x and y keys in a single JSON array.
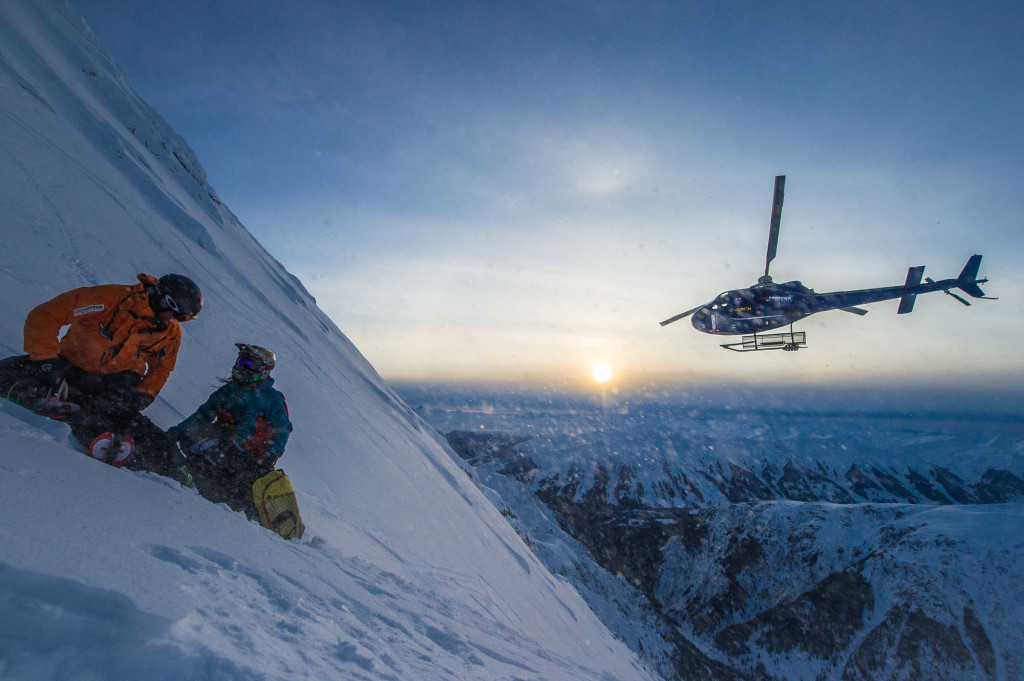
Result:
[{"x": 788, "y": 340}]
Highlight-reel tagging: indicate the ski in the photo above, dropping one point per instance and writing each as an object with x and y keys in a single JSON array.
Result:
[{"x": 59, "y": 410}]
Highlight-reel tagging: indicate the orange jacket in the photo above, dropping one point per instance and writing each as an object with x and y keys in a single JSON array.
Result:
[{"x": 112, "y": 329}]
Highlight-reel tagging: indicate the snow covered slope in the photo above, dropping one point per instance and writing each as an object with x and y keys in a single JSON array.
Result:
[{"x": 407, "y": 570}]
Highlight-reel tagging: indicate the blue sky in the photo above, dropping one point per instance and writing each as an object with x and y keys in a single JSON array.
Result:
[{"x": 517, "y": 190}]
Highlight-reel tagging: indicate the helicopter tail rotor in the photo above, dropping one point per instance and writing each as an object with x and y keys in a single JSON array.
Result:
[{"x": 948, "y": 293}]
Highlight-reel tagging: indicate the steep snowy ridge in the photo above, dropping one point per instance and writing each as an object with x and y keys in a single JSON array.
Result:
[{"x": 408, "y": 571}]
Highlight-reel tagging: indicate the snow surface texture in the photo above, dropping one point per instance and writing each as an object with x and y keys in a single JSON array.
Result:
[{"x": 407, "y": 570}]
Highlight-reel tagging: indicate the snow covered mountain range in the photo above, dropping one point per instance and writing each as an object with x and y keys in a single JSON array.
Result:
[
  {"x": 661, "y": 536},
  {"x": 791, "y": 539},
  {"x": 408, "y": 570}
]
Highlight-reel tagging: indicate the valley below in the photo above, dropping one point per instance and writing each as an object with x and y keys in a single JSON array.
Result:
[{"x": 725, "y": 541}]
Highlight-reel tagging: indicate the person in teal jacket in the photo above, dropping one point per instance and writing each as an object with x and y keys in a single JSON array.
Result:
[{"x": 239, "y": 433}]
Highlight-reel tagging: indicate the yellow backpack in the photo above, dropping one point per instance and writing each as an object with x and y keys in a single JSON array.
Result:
[{"x": 275, "y": 502}]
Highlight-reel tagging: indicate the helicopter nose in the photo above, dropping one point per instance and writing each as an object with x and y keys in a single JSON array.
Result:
[{"x": 701, "y": 319}]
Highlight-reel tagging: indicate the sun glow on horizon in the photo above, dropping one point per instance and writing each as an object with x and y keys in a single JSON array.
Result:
[{"x": 602, "y": 372}]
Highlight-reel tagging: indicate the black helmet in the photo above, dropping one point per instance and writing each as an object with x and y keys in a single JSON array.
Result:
[
  {"x": 253, "y": 364},
  {"x": 180, "y": 294}
]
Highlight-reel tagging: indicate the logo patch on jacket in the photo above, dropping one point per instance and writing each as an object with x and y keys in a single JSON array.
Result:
[{"x": 86, "y": 310}]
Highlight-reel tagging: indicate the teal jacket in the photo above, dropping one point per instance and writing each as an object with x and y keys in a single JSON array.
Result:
[{"x": 254, "y": 415}]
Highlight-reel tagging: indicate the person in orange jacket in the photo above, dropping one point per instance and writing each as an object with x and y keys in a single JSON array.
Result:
[{"x": 120, "y": 347}]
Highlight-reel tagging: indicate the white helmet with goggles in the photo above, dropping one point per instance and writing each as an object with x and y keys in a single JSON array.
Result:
[{"x": 253, "y": 364}]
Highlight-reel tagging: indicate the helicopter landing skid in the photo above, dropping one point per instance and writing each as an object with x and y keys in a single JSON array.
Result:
[{"x": 790, "y": 341}]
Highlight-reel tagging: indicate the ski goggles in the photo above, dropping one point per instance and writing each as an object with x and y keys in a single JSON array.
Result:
[
  {"x": 169, "y": 302},
  {"x": 248, "y": 364},
  {"x": 179, "y": 314}
]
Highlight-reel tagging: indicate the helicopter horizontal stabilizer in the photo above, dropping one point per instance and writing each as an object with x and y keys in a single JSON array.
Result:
[
  {"x": 907, "y": 304},
  {"x": 914, "y": 275},
  {"x": 855, "y": 310}
]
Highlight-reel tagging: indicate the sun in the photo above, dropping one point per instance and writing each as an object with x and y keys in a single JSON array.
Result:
[{"x": 602, "y": 372}]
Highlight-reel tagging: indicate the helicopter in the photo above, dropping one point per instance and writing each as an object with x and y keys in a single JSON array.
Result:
[{"x": 766, "y": 305}]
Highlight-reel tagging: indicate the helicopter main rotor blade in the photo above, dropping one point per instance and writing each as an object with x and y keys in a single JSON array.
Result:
[
  {"x": 681, "y": 315},
  {"x": 773, "y": 230}
]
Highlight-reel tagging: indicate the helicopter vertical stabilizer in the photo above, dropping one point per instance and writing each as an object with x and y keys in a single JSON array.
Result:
[
  {"x": 914, "y": 275},
  {"x": 968, "y": 280}
]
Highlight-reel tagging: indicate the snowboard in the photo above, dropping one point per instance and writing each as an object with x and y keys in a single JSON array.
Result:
[{"x": 275, "y": 502}]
